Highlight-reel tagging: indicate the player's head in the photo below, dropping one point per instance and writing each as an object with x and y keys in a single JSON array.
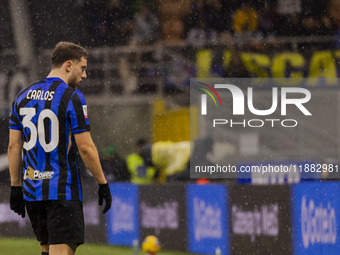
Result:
[
  {"x": 140, "y": 145},
  {"x": 74, "y": 59}
]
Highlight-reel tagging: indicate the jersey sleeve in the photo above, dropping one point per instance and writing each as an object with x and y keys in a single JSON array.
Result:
[
  {"x": 77, "y": 111},
  {"x": 14, "y": 121}
]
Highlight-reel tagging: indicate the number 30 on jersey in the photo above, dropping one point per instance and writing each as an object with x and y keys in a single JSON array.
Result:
[{"x": 38, "y": 133}]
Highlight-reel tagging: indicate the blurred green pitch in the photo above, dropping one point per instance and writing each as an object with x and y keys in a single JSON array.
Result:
[{"x": 19, "y": 246}]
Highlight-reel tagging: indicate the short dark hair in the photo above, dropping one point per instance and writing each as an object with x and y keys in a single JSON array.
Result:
[{"x": 64, "y": 51}]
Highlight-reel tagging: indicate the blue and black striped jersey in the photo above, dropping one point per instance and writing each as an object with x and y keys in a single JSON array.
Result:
[{"x": 49, "y": 113}]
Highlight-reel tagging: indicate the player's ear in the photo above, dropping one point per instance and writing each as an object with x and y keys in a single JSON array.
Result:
[{"x": 68, "y": 65}]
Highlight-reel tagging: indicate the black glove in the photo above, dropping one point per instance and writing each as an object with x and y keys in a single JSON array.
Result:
[
  {"x": 105, "y": 193},
  {"x": 17, "y": 200}
]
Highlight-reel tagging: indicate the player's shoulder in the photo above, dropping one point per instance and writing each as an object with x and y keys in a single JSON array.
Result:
[
  {"x": 23, "y": 92},
  {"x": 78, "y": 94},
  {"x": 40, "y": 84}
]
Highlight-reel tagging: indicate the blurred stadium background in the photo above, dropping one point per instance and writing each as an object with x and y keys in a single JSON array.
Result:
[{"x": 142, "y": 56}]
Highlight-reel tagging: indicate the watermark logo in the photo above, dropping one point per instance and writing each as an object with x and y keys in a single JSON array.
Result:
[
  {"x": 204, "y": 97},
  {"x": 280, "y": 98}
]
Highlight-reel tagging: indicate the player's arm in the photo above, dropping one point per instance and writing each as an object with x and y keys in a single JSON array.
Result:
[
  {"x": 14, "y": 154},
  {"x": 77, "y": 111},
  {"x": 89, "y": 155}
]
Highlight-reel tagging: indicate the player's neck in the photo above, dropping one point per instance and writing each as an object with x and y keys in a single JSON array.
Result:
[{"x": 58, "y": 74}]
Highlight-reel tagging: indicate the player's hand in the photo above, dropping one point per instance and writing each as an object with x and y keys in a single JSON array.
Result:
[
  {"x": 17, "y": 203},
  {"x": 105, "y": 193}
]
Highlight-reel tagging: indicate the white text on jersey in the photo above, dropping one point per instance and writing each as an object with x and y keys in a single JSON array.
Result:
[{"x": 40, "y": 95}]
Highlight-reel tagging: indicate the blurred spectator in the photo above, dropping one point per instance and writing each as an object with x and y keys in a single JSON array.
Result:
[
  {"x": 236, "y": 68},
  {"x": 101, "y": 30},
  {"x": 209, "y": 12},
  {"x": 314, "y": 8},
  {"x": 89, "y": 10},
  {"x": 245, "y": 22},
  {"x": 334, "y": 14},
  {"x": 202, "y": 35},
  {"x": 327, "y": 24},
  {"x": 289, "y": 7},
  {"x": 111, "y": 22},
  {"x": 267, "y": 19},
  {"x": 334, "y": 11},
  {"x": 146, "y": 27},
  {"x": 316, "y": 24},
  {"x": 214, "y": 17},
  {"x": 114, "y": 167},
  {"x": 173, "y": 31},
  {"x": 119, "y": 21},
  {"x": 311, "y": 26},
  {"x": 289, "y": 25},
  {"x": 191, "y": 20},
  {"x": 245, "y": 19},
  {"x": 140, "y": 165},
  {"x": 228, "y": 9},
  {"x": 171, "y": 13}
]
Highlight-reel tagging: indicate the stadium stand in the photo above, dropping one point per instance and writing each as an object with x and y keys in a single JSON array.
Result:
[{"x": 137, "y": 75}]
